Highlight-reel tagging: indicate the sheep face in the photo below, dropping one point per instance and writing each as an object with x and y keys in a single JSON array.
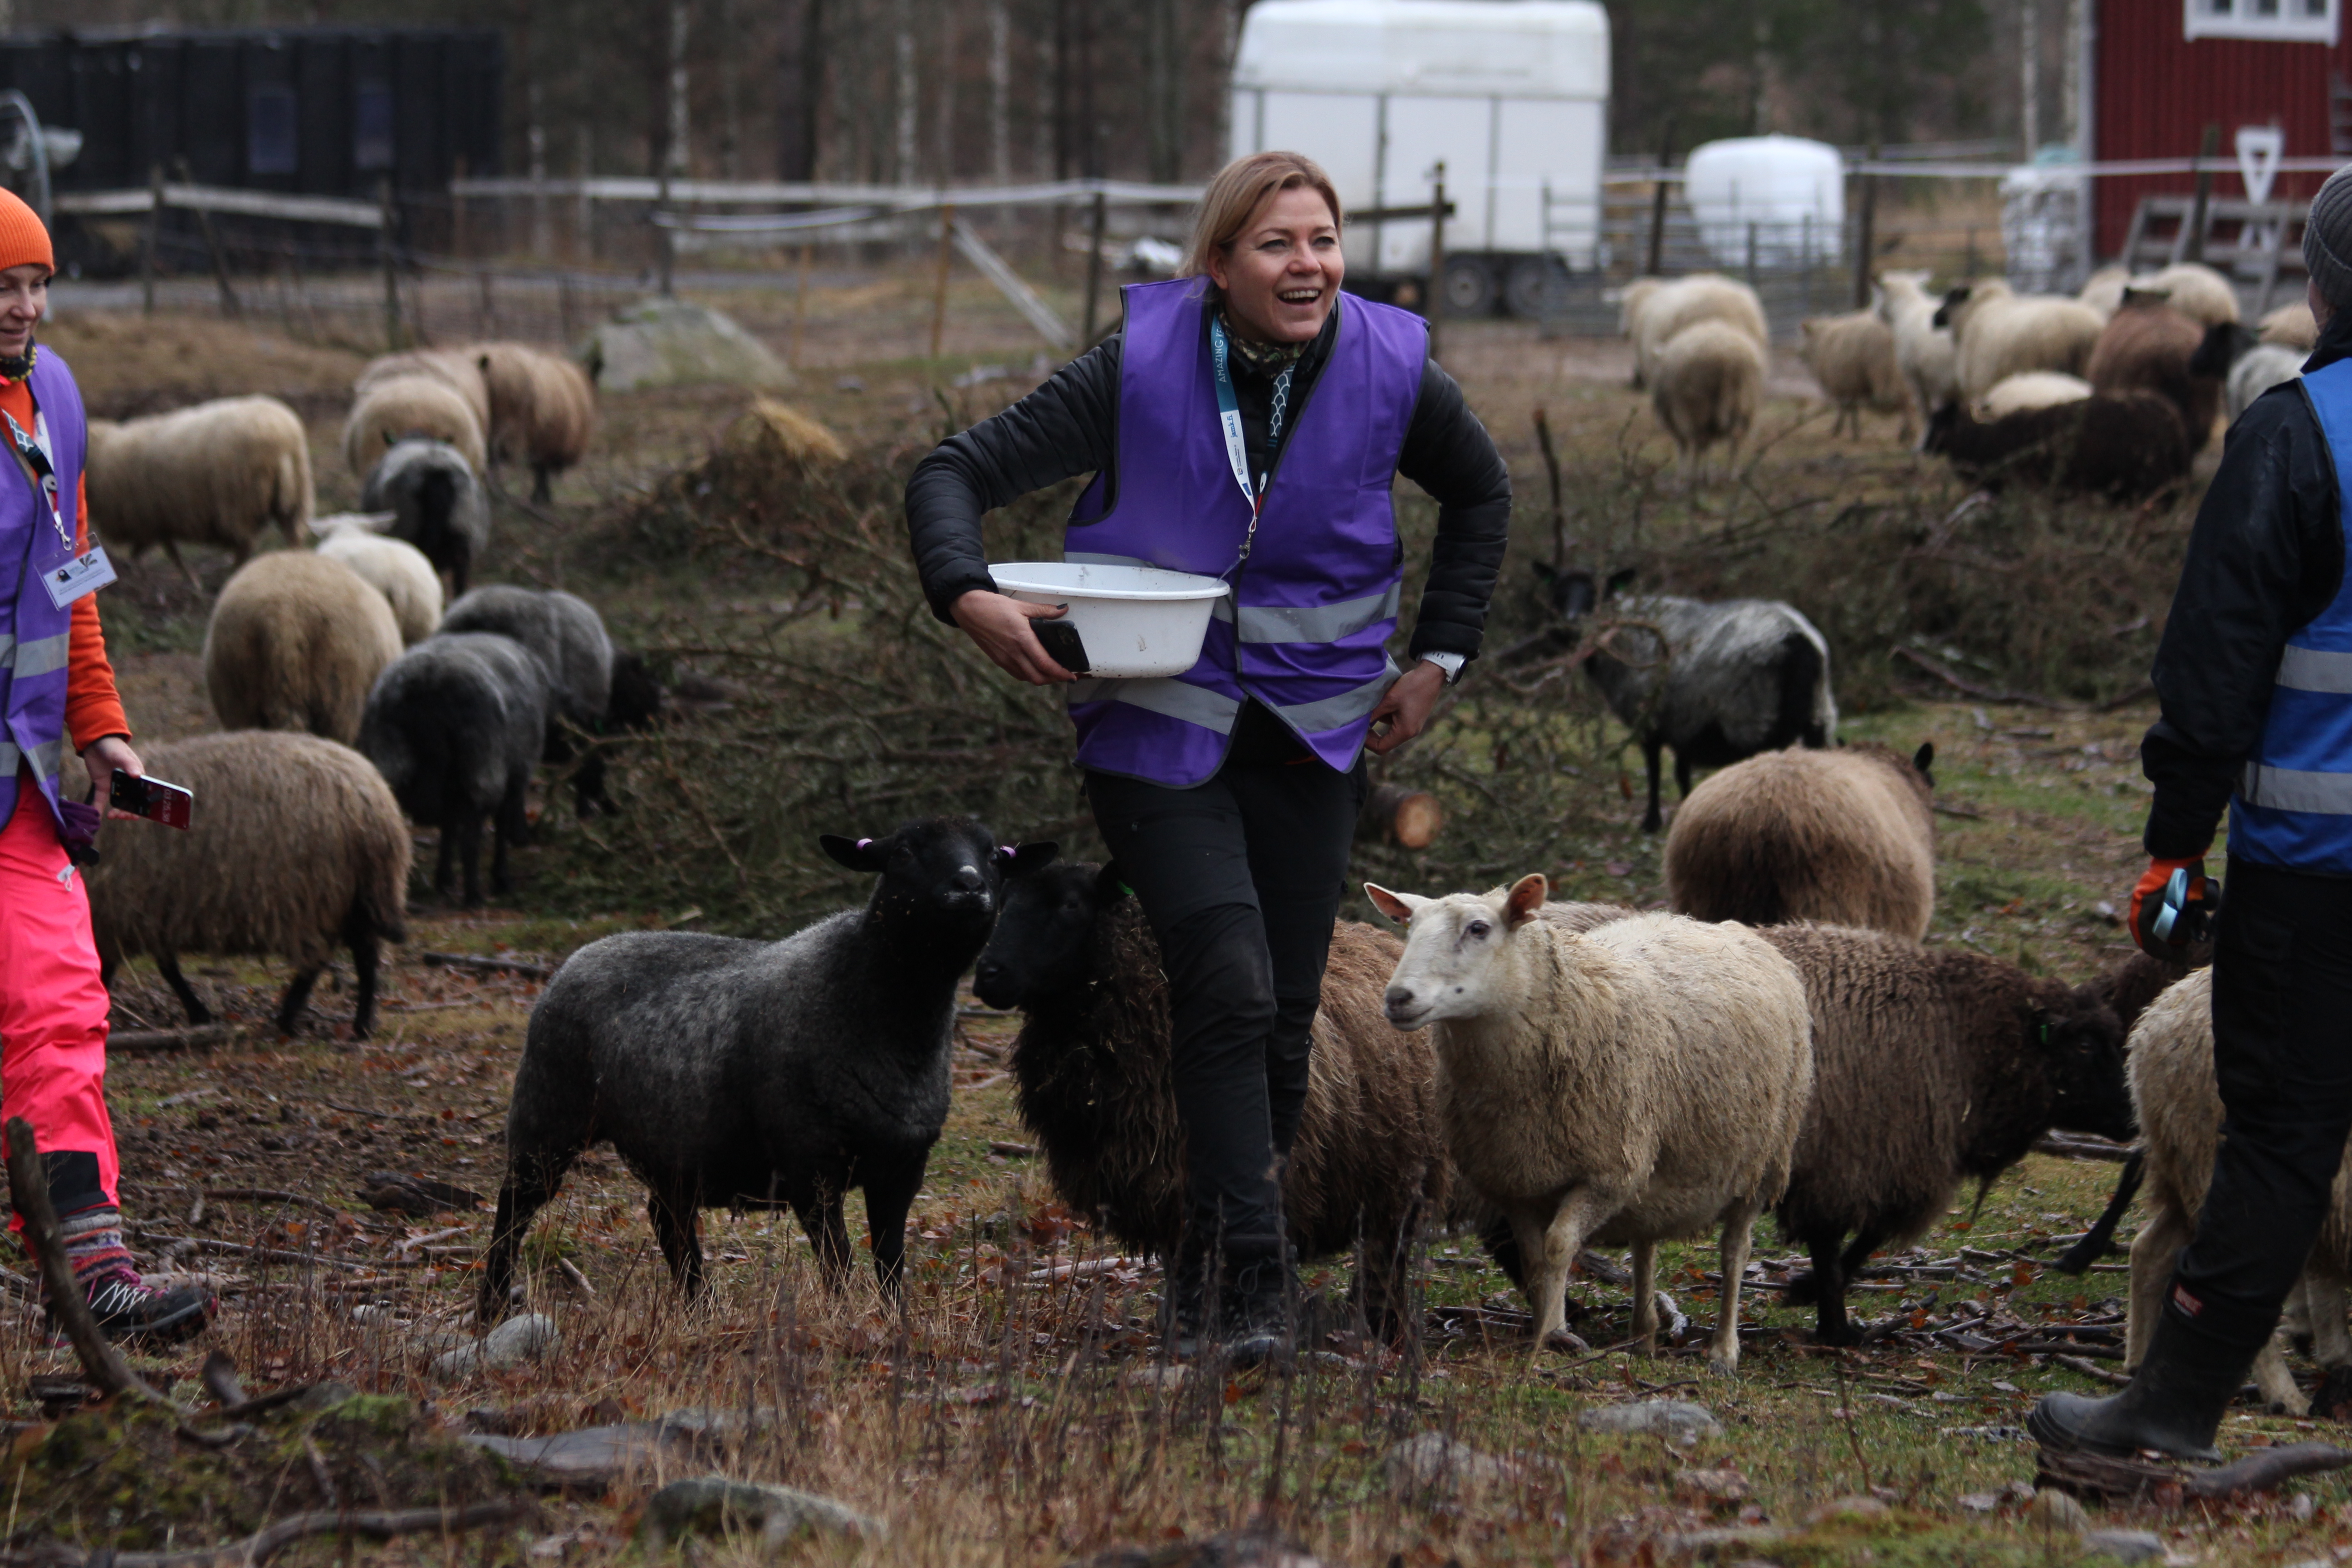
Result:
[
  {"x": 944, "y": 874},
  {"x": 1040, "y": 945},
  {"x": 2085, "y": 1041},
  {"x": 1455, "y": 950}
]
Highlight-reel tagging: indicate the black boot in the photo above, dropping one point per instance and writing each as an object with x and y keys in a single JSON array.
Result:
[
  {"x": 2174, "y": 1403},
  {"x": 1255, "y": 1315},
  {"x": 1184, "y": 1301}
]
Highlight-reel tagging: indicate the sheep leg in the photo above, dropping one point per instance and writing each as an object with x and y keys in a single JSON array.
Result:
[
  {"x": 2152, "y": 1254},
  {"x": 2323, "y": 1292},
  {"x": 534, "y": 1174},
  {"x": 367, "y": 947},
  {"x": 1682, "y": 775},
  {"x": 1829, "y": 1324},
  {"x": 167, "y": 965},
  {"x": 1652, "y": 751},
  {"x": 1550, "y": 1242},
  {"x": 514, "y": 830},
  {"x": 2275, "y": 1382},
  {"x": 820, "y": 1217},
  {"x": 468, "y": 828},
  {"x": 171, "y": 548},
  {"x": 889, "y": 1195},
  {"x": 1723, "y": 1354},
  {"x": 673, "y": 1210},
  {"x": 542, "y": 488},
  {"x": 297, "y": 998},
  {"x": 1646, "y": 1297}
]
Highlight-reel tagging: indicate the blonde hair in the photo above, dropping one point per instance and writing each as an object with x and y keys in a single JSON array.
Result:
[{"x": 1232, "y": 198}]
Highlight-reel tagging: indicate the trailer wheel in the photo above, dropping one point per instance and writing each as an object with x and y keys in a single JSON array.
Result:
[
  {"x": 1469, "y": 287},
  {"x": 1534, "y": 287}
]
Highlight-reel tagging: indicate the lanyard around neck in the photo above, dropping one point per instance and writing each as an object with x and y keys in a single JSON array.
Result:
[
  {"x": 35, "y": 450},
  {"x": 1229, "y": 421}
]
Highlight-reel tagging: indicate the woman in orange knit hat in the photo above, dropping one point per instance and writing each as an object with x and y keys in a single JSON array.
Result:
[{"x": 57, "y": 690}]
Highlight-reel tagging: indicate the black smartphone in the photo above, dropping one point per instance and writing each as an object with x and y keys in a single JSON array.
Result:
[
  {"x": 168, "y": 804},
  {"x": 1062, "y": 645}
]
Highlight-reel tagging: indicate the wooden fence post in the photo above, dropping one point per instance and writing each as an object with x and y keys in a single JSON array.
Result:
[
  {"x": 800, "y": 307},
  {"x": 391, "y": 267},
  {"x": 147, "y": 258},
  {"x": 1436, "y": 253},
  {"x": 1865, "y": 237},
  {"x": 667, "y": 238},
  {"x": 1658, "y": 204},
  {"x": 229, "y": 303},
  {"x": 2192, "y": 242}
]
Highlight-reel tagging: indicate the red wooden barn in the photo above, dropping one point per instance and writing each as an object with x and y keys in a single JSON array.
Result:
[{"x": 2161, "y": 71}]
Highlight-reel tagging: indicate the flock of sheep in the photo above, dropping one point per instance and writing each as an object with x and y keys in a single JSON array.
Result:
[
  {"x": 353, "y": 701},
  {"x": 2111, "y": 391}
]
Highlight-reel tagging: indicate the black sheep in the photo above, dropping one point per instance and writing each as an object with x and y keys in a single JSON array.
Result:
[
  {"x": 2125, "y": 446},
  {"x": 455, "y": 725},
  {"x": 762, "y": 1074}
]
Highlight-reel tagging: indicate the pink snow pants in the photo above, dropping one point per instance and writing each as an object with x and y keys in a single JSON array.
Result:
[{"x": 52, "y": 1009}]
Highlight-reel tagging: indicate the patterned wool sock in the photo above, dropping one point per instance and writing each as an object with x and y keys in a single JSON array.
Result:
[{"x": 93, "y": 1241}]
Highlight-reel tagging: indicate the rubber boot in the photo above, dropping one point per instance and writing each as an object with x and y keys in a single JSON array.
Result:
[
  {"x": 2173, "y": 1404},
  {"x": 1253, "y": 1327},
  {"x": 1183, "y": 1294}
]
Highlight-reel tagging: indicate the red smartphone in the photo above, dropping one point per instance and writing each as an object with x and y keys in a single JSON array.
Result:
[{"x": 168, "y": 804}]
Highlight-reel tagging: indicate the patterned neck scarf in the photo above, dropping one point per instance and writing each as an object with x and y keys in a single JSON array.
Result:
[
  {"x": 1262, "y": 359},
  {"x": 17, "y": 367}
]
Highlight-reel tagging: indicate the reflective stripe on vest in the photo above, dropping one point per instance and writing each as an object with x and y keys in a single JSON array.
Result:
[
  {"x": 1304, "y": 630},
  {"x": 2293, "y": 804}
]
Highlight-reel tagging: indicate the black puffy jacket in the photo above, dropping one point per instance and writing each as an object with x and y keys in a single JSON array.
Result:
[
  {"x": 1070, "y": 426},
  {"x": 2265, "y": 557}
]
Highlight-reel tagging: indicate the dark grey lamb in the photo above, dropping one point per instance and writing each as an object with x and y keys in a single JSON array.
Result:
[
  {"x": 567, "y": 635},
  {"x": 437, "y": 504},
  {"x": 762, "y": 1074},
  {"x": 456, "y": 725},
  {"x": 1728, "y": 681}
]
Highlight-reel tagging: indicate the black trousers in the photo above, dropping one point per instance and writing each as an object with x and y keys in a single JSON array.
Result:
[
  {"x": 2283, "y": 1060},
  {"x": 1241, "y": 878}
]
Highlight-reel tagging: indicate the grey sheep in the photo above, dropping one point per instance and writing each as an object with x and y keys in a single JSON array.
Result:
[
  {"x": 1636, "y": 1082},
  {"x": 761, "y": 1074},
  {"x": 455, "y": 725},
  {"x": 1931, "y": 1068},
  {"x": 567, "y": 635},
  {"x": 437, "y": 504},
  {"x": 1728, "y": 679},
  {"x": 1844, "y": 836},
  {"x": 295, "y": 847}
]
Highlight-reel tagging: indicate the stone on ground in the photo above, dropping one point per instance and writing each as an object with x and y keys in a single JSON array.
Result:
[{"x": 673, "y": 343}]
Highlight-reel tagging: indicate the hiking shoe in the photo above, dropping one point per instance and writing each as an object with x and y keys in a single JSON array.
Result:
[{"x": 127, "y": 1309}]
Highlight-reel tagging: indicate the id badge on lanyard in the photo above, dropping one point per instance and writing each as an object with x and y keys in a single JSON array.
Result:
[
  {"x": 67, "y": 573},
  {"x": 1229, "y": 422}
]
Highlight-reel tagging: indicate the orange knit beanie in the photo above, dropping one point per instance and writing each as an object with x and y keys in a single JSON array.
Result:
[{"x": 22, "y": 237}]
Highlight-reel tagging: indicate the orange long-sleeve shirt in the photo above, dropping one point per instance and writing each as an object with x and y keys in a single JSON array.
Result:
[{"x": 93, "y": 708}]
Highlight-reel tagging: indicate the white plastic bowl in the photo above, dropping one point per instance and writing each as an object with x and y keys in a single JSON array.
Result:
[{"x": 1136, "y": 621}]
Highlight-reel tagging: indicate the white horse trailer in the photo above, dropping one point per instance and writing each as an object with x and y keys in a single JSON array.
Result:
[{"x": 1511, "y": 95}]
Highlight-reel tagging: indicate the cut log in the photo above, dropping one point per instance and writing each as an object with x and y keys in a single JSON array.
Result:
[
  {"x": 1408, "y": 819},
  {"x": 202, "y": 1038}
]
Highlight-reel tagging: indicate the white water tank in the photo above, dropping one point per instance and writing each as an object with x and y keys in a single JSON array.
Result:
[{"x": 1785, "y": 191}]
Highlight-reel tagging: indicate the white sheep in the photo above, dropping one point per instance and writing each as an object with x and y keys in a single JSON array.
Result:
[
  {"x": 2258, "y": 369},
  {"x": 395, "y": 568},
  {"x": 2030, "y": 389},
  {"x": 212, "y": 474},
  {"x": 417, "y": 406},
  {"x": 1641, "y": 1081},
  {"x": 1705, "y": 385},
  {"x": 1853, "y": 357},
  {"x": 2180, "y": 1112},
  {"x": 294, "y": 643},
  {"x": 2104, "y": 290},
  {"x": 460, "y": 370},
  {"x": 2292, "y": 326},
  {"x": 1924, "y": 351},
  {"x": 1654, "y": 309},
  {"x": 2194, "y": 289},
  {"x": 2001, "y": 332}
]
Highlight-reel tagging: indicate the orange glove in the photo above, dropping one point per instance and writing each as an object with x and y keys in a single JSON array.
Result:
[{"x": 2147, "y": 897}]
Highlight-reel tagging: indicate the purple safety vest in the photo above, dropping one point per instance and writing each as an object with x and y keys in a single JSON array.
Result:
[
  {"x": 33, "y": 631},
  {"x": 1305, "y": 629}
]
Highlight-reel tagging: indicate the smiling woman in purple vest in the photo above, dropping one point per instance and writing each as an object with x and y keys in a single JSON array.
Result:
[
  {"x": 56, "y": 693},
  {"x": 1228, "y": 794}
]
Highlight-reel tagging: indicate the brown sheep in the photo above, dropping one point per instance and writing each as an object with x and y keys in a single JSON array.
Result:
[
  {"x": 2150, "y": 346},
  {"x": 1930, "y": 1067},
  {"x": 2124, "y": 446},
  {"x": 389, "y": 412},
  {"x": 1853, "y": 357},
  {"x": 295, "y": 642},
  {"x": 460, "y": 370},
  {"x": 1845, "y": 836},
  {"x": 1091, "y": 1071},
  {"x": 543, "y": 409},
  {"x": 297, "y": 847}
]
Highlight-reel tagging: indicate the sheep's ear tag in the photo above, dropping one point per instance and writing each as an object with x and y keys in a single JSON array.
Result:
[
  {"x": 1019, "y": 860},
  {"x": 857, "y": 854}
]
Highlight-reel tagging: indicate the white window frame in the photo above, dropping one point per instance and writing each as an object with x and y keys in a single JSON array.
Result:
[{"x": 2199, "y": 20}]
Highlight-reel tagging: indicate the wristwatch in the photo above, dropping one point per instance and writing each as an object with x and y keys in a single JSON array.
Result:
[{"x": 1451, "y": 663}]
